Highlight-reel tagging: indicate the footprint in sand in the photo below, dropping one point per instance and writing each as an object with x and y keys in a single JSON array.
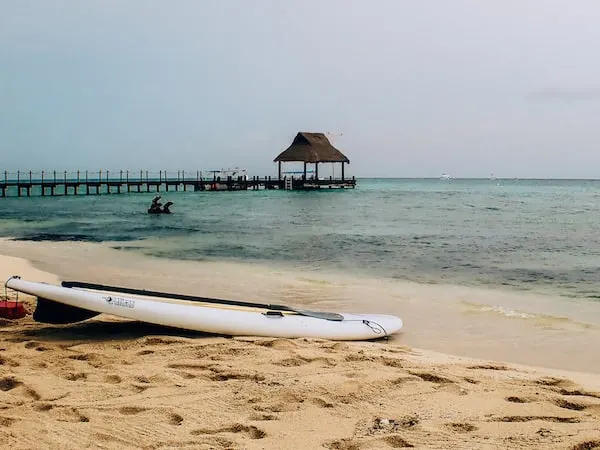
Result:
[
  {"x": 175, "y": 419},
  {"x": 32, "y": 393},
  {"x": 145, "y": 352},
  {"x": 75, "y": 376},
  {"x": 131, "y": 410},
  {"x": 43, "y": 407},
  {"x": 342, "y": 444},
  {"x": 431, "y": 377},
  {"x": 7, "y": 421},
  {"x": 262, "y": 417},
  {"x": 9, "y": 383},
  {"x": 226, "y": 375},
  {"x": 461, "y": 427},
  {"x": 587, "y": 445},
  {"x": 249, "y": 430},
  {"x": 142, "y": 379},
  {"x": 37, "y": 346},
  {"x": 322, "y": 403},
  {"x": 574, "y": 406},
  {"x": 112, "y": 379},
  {"x": 83, "y": 357},
  {"x": 514, "y": 399},
  {"x": 396, "y": 441},
  {"x": 8, "y": 362}
]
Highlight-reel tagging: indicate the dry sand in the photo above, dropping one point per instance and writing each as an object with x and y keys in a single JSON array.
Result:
[{"x": 108, "y": 383}]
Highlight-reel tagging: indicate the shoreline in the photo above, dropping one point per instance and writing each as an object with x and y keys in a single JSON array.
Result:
[
  {"x": 28, "y": 270},
  {"x": 119, "y": 384},
  {"x": 455, "y": 320}
]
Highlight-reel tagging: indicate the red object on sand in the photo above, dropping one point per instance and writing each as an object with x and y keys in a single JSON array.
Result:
[{"x": 12, "y": 309}]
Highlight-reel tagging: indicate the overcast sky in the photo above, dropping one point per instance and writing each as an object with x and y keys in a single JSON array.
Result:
[{"x": 415, "y": 88}]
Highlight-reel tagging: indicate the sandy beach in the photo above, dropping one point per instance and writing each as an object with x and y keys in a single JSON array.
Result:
[{"x": 109, "y": 383}]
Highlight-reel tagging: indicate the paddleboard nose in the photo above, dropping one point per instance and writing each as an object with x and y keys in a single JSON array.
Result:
[{"x": 391, "y": 324}]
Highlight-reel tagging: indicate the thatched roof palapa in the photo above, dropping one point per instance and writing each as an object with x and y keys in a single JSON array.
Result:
[{"x": 312, "y": 148}]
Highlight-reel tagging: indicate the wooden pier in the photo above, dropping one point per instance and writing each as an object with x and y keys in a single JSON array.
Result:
[{"x": 29, "y": 183}]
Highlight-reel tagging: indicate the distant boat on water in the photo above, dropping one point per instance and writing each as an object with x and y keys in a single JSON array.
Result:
[{"x": 445, "y": 176}]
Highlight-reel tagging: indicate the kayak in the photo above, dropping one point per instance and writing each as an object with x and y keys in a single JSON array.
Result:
[{"x": 74, "y": 301}]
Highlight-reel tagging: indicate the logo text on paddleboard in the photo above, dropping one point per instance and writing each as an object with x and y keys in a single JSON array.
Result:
[{"x": 120, "y": 301}]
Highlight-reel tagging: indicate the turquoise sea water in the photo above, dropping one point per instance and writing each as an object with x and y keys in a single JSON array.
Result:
[{"x": 535, "y": 235}]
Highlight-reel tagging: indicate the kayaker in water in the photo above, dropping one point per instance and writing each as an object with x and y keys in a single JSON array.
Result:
[{"x": 157, "y": 208}]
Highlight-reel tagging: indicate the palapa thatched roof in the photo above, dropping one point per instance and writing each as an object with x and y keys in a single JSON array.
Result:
[{"x": 311, "y": 148}]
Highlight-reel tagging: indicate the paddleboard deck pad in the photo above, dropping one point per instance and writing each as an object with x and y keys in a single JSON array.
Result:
[{"x": 75, "y": 301}]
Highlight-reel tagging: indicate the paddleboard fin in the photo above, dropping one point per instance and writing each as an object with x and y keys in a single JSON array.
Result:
[{"x": 48, "y": 311}]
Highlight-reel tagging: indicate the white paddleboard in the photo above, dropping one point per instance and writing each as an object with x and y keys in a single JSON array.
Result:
[{"x": 81, "y": 301}]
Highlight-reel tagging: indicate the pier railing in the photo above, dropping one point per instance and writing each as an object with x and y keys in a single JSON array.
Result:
[
  {"x": 80, "y": 176},
  {"x": 55, "y": 182}
]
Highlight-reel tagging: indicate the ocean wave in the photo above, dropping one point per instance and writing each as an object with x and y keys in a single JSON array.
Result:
[{"x": 540, "y": 319}]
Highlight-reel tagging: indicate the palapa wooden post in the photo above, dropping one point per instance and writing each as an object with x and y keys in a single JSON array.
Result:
[{"x": 66, "y": 192}]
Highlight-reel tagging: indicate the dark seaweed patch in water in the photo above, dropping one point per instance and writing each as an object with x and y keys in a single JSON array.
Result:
[
  {"x": 55, "y": 237},
  {"x": 530, "y": 276}
]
